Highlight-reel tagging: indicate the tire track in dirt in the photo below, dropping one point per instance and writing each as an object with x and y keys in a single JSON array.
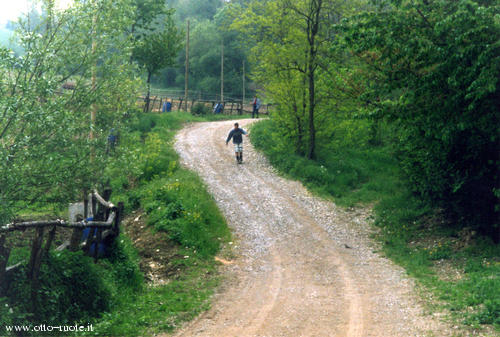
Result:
[{"x": 293, "y": 275}]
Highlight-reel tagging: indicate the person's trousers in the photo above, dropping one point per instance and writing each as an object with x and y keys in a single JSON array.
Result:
[{"x": 255, "y": 112}]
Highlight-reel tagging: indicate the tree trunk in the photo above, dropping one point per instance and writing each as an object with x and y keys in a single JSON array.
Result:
[
  {"x": 146, "y": 106},
  {"x": 312, "y": 102},
  {"x": 312, "y": 31}
]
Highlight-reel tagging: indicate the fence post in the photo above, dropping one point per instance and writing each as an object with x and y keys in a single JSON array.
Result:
[
  {"x": 94, "y": 205},
  {"x": 35, "y": 252},
  {"x": 35, "y": 263},
  {"x": 49, "y": 241},
  {"x": 4, "y": 258},
  {"x": 119, "y": 214}
]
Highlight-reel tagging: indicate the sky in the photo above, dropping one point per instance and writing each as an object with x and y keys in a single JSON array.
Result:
[{"x": 11, "y": 9}]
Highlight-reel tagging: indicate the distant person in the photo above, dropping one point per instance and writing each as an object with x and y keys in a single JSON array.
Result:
[
  {"x": 256, "y": 106},
  {"x": 218, "y": 108},
  {"x": 237, "y": 135},
  {"x": 167, "y": 106},
  {"x": 112, "y": 138}
]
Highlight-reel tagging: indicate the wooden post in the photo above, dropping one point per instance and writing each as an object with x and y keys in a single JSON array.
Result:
[
  {"x": 90, "y": 240},
  {"x": 106, "y": 195},
  {"x": 35, "y": 251},
  {"x": 4, "y": 259},
  {"x": 180, "y": 104},
  {"x": 153, "y": 105},
  {"x": 186, "y": 76},
  {"x": 231, "y": 112},
  {"x": 93, "y": 205},
  {"x": 119, "y": 215},
  {"x": 222, "y": 71},
  {"x": 97, "y": 242},
  {"x": 243, "y": 99},
  {"x": 35, "y": 263},
  {"x": 49, "y": 241}
]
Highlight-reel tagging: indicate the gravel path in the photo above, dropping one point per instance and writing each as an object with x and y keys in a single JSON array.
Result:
[{"x": 304, "y": 266}]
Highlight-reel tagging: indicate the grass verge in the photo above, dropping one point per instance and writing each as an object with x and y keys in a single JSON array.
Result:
[
  {"x": 459, "y": 268},
  {"x": 113, "y": 294},
  {"x": 177, "y": 205}
]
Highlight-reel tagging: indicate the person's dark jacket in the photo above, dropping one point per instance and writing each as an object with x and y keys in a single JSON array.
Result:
[{"x": 237, "y": 135}]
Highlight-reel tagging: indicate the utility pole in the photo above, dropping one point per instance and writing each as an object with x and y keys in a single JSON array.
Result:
[
  {"x": 93, "y": 109},
  {"x": 186, "y": 76},
  {"x": 222, "y": 71},
  {"x": 243, "y": 101}
]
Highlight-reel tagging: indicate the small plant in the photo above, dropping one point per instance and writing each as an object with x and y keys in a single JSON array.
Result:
[{"x": 200, "y": 109}]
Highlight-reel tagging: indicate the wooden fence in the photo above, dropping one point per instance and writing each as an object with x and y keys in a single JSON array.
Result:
[
  {"x": 103, "y": 228},
  {"x": 231, "y": 106}
]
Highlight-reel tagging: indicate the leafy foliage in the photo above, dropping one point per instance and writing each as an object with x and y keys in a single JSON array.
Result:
[
  {"x": 72, "y": 288},
  {"x": 44, "y": 130},
  {"x": 156, "y": 43},
  {"x": 437, "y": 67}
]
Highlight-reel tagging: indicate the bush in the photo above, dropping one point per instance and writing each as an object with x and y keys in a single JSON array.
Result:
[
  {"x": 200, "y": 109},
  {"x": 447, "y": 115},
  {"x": 72, "y": 288}
]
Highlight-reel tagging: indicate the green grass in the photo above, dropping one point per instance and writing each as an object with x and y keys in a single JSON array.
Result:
[
  {"x": 177, "y": 203},
  {"x": 463, "y": 275},
  {"x": 112, "y": 294},
  {"x": 349, "y": 175}
]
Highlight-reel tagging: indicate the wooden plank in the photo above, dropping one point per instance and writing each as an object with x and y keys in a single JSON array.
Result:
[
  {"x": 60, "y": 223},
  {"x": 104, "y": 200}
]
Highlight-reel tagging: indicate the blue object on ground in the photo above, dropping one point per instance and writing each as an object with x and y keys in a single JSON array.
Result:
[{"x": 101, "y": 250}]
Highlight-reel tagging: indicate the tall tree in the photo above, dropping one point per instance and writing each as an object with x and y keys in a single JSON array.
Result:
[
  {"x": 157, "y": 48},
  {"x": 435, "y": 74},
  {"x": 43, "y": 127},
  {"x": 290, "y": 41}
]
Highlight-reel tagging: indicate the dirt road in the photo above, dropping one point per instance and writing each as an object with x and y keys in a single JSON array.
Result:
[{"x": 304, "y": 267}]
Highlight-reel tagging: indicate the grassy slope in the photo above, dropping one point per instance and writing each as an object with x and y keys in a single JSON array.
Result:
[
  {"x": 176, "y": 202},
  {"x": 145, "y": 175},
  {"x": 461, "y": 269}
]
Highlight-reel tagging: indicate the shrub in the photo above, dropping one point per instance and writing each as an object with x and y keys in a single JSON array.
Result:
[{"x": 200, "y": 109}]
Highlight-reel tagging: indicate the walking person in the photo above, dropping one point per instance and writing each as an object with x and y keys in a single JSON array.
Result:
[
  {"x": 256, "y": 106},
  {"x": 237, "y": 135}
]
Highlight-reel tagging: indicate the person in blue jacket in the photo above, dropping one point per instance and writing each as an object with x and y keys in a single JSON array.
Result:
[{"x": 237, "y": 135}]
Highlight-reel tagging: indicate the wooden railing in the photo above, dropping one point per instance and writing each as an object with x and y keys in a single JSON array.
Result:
[{"x": 103, "y": 228}]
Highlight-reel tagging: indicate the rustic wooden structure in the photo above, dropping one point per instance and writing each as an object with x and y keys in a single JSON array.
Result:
[
  {"x": 231, "y": 106},
  {"x": 104, "y": 227}
]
